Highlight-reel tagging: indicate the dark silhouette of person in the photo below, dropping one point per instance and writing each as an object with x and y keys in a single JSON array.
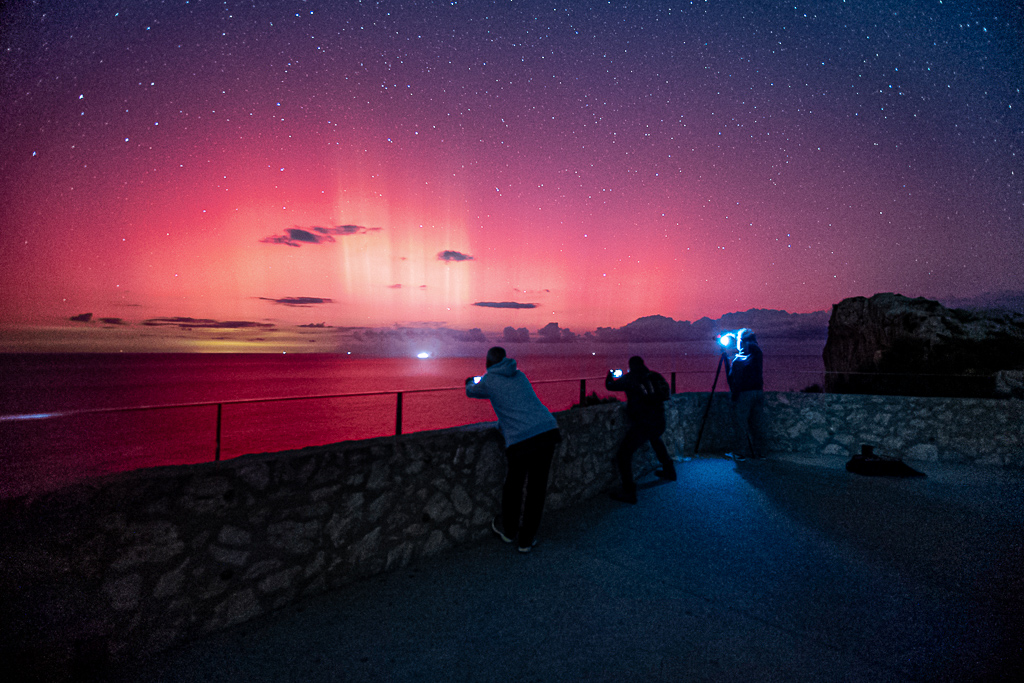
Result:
[
  {"x": 646, "y": 393},
  {"x": 531, "y": 435},
  {"x": 745, "y": 373}
]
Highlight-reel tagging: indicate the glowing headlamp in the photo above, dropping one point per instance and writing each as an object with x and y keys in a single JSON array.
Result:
[{"x": 726, "y": 339}]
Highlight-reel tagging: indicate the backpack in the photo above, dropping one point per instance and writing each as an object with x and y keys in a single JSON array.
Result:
[{"x": 655, "y": 388}]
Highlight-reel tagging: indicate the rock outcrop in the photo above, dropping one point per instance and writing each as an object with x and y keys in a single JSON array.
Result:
[{"x": 891, "y": 344}]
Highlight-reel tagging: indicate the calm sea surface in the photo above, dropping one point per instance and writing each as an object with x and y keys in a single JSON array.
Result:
[{"x": 39, "y": 453}]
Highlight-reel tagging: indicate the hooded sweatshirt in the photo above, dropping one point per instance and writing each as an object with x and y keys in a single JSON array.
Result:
[{"x": 520, "y": 413}]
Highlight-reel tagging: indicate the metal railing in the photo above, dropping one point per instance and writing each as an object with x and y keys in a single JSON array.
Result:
[{"x": 399, "y": 394}]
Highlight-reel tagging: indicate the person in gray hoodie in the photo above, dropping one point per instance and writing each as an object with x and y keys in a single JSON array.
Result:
[{"x": 531, "y": 435}]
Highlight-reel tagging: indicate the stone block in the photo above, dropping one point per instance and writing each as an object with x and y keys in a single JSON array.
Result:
[
  {"x": 256, "y": 475},
  {"x": 316, "y": 566},
  {"x": 379, "y": 507},
  {"x": 260, "y": 568},
  {"x": 338, "y": 528},
  {"x": 279, "y": 580},
  {"x": 463, "y": 503},
  {"x": 923, "y": 451},
  {"x": 293, "y": 537},
  {"x": 232, "y": 556},
  {"x": 238, "y": 607},
  {"x": 439, "y": 508},
  {"x": 399, "y": 556},
  {"x": 435, "y": 543},
  {"x": 150, "y": 542},
  {"x": 366, "y": 547},
  {"x": 170, "y": 583},
  {"x": 324, "y": 492},
  {"x": 232, "y": 535},
  {"x": 123, "y": 592},
  {"x": 380, "y": 476}
]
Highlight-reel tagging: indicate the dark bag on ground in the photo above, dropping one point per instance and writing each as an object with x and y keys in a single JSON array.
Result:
[{"x": 871, "y": 465}]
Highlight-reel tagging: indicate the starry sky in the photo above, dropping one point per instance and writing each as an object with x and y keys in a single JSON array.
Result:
[{"x": 483, "y": 164}]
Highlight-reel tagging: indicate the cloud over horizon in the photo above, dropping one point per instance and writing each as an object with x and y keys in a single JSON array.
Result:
[
  {"x": 297, "y": 236},
  {"x": 205, "y": 323},
  {"x": 503, "y": 304},
  {"x": 448, "y": 256},
  {"x": 299, "y": 301}
]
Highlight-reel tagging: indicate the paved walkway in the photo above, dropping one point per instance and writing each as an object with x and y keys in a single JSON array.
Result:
[{"x": 785, "y": 570}]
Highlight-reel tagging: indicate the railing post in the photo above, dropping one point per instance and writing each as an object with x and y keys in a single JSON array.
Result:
[
  {"x": 398, "y": 414},
  {"x": 220, "y": 410},
  {"x": 673, "y": 382},
  {"x": 583, "y": 391}
]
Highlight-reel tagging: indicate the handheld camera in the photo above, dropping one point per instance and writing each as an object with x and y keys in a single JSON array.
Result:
[
  {"x": 616, "y": 374},
  {"x": 476, "y": 380}
]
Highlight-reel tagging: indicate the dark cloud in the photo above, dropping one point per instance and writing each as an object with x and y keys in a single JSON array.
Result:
[
  {"x": 319, "y": 326},
  {"x": 205, "y": 323},
  {"x": 448, "y": 256},
  {"x": 511, "y": 334},
  {"x": 300, "y": 301},
  {"x": 504, "y": 304},
  {"x": 553, "y": 333},
  {"x": 112, "y": 321},
  {"x": 81, "y": 318},
  {"x": 296, "y": 237}
]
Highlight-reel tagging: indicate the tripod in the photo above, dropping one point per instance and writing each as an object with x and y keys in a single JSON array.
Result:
[{"x": 700, "y": 432}]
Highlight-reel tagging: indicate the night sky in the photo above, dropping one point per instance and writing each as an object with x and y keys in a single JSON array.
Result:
[{"x": 370, "y": 163}]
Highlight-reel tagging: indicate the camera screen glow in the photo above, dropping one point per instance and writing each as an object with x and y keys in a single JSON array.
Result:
[
  {"x": 423, "y": 354},
  {"x": 616, "y": 373},
  {"x": 476, "y": 380}
]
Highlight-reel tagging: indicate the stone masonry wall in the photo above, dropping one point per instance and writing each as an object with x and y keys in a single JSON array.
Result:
[{"x": 138, "y": 562}]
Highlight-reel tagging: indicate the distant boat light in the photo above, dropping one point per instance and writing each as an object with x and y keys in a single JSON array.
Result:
[{"x": 423, "y": 354}]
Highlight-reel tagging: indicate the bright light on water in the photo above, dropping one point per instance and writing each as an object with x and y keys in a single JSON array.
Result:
[
  {"x": 34, "y": 416},
  {"x": 423, "y": 354}
]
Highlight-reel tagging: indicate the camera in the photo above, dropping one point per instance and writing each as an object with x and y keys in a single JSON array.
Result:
[
  {"x": 476, "y": 380},
  {"x": 616, "y": 373}
]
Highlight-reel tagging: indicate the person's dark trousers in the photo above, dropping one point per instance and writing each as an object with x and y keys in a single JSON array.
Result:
[
  {"x": 529, "y": 461},
  {"x": 638, "y": 433}
]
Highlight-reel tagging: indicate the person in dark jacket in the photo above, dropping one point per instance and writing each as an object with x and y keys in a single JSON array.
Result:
[
  {"x": 646, "y": 393},
  {"x": 746, "y": 381},
  {"x": 531, "y": 435}
]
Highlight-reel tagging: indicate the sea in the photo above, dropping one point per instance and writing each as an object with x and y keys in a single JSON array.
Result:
[{"x": 69, "y": 417}]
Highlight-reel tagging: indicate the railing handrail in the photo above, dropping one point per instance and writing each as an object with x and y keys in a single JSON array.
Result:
[
  {"x": 392, "y": 392},
  {"x": 397, "y": 393}
]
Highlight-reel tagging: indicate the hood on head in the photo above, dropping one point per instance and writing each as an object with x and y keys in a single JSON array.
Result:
[{"x": 505, "y": 367}]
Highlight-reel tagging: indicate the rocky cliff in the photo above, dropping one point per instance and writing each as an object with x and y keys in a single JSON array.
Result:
[{"x": 918, "y": 347}]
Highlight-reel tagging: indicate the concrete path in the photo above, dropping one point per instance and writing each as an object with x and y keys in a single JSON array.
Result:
[{"x": 790, "y": 569}]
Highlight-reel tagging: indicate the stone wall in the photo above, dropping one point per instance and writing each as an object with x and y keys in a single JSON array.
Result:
[
  {"x": 924, "y": 429},
  {"x": 139, "y": 562}
]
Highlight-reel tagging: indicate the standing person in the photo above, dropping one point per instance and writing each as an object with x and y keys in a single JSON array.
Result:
[
  {"x": 531, "y": 434},
  {"x": 746, "y": 381},
  {"x": 646, "y": 393}
]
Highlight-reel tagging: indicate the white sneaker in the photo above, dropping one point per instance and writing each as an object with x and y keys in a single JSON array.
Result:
[
  {"x": 494, "y": 528},
  {"x": 528, "y": 548}
]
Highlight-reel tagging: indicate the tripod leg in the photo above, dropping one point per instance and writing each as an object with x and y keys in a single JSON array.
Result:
[{"x": 700, "y": 432}]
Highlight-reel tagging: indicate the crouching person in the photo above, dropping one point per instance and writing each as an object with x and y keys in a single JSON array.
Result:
[
  {"x": 646, "y": 393},
  {"x": 531, "y": 435}
]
